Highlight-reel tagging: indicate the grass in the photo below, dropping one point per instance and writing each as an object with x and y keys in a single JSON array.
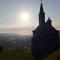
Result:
[
  {"x": 15, "y": 55},
  {"x": 54, "y": 56},
  {"x": 23, "y": 54}
]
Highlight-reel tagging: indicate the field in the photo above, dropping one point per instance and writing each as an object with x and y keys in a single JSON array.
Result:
[
  {"x": 23, "y": 54},
  {"x": 15, "y": 54}
]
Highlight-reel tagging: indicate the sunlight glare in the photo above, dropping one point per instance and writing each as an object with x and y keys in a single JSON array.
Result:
[{"x": 24, "y": 18}]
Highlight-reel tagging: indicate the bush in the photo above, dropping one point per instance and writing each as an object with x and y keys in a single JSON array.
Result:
[{"x": 1, "y": 48}]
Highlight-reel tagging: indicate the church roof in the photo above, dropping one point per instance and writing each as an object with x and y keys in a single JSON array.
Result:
[{"x": 46, "y": 28}]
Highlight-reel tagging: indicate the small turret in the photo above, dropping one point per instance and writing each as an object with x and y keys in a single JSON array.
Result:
[{"x": 49, "y": 21}]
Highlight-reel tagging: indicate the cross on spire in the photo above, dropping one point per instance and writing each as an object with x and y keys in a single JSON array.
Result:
[{"x": 41, "y": 1}]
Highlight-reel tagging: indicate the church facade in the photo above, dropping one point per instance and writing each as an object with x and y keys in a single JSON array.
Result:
[{"x": 45, "y": 36}]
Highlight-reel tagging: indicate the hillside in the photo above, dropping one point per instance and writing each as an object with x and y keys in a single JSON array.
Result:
[{"x": 23, "y": 54}]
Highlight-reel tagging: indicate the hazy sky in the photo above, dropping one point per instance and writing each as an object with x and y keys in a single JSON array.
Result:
[{"x": 11, "y": 9}]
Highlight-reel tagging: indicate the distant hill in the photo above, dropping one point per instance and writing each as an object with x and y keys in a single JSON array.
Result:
[{"x": 15, "y": 41}]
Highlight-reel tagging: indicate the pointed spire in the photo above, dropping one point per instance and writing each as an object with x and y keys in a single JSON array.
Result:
[
  {"x": 41, "y": 7},
  {"x": 41, "y": 15}
]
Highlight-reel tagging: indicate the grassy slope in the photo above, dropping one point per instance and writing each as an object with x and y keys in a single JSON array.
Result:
[
  {"x": 54, "y": 56},
  {"x": 15, "y": 55},
  {"x": 24, "y": 55}
]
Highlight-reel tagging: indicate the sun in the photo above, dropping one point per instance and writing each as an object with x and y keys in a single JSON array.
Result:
[{"x": 24, "y": 18}]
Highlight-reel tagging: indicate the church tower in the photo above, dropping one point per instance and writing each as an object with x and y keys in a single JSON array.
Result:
[
  {"x": 45, "y": 37},
  {"x": 41, "y": 15}
]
